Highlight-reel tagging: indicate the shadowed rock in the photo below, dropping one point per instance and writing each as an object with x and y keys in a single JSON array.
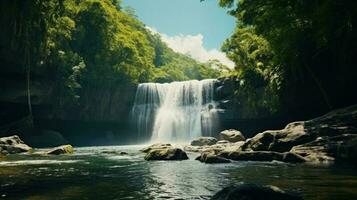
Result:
[
  {"x": 263, "y": 156},
  {"x": 324, "y": 139}
]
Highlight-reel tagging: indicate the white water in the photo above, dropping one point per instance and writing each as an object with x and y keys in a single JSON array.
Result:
[{"x": 175, "y": 112}]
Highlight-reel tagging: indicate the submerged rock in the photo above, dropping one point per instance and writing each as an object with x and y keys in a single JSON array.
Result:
[
  {"x": 63, "y": 149},
  {"x": 254, "y": 192},
  {"x": 156, "y": 146},
  {"x": 202, "y": 141},
  {"x": 13, "y": 144},
  {"x": 232, "y": 135},
  {"x": 166, "y": 154},
  {"x": 122, "y": 153},
  {"x": 209, "y": 157}
]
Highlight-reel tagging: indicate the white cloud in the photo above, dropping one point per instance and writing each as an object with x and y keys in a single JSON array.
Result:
[{"x": 193, "y": 46}]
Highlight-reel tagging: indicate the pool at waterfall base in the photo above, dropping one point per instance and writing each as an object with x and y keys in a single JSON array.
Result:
[{"x": 102, "y": 173}]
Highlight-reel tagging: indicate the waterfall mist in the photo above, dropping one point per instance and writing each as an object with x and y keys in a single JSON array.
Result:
[{"x": 175, "y": 112}]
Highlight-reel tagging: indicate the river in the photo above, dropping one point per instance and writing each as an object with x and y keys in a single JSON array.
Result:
[{"x": 101, "y": 173}]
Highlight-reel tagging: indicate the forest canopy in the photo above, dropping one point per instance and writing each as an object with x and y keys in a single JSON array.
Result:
[
  {"x": 92, "y": 43},
  {"x": 299, "y": 52}
]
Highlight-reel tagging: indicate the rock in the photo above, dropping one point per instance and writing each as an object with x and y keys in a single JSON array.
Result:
[
  {"x": 210, "y": 157},
  {"x": 155, "y": 146},
  {"x": 254, "y": 192},
  {"x": 63, "y": 149},
  {"x": 194, "y": 148},
  {"x": 327, "y": 149},
  {"x": 232, "y": 135},
  {"x": 123, "y": 153},
  {"x": 216, "y": 148},
  {"x": 115, "y": 152},
  {"x": 263, "y": 156},
  {"x": 223, "y": 142},
  {"x": 166, "y": 154},
  {"x": 332, "y": 125},
  {"x": 13, "y": 144},
  {"x": 232, "y": 147},
  {"x": 279, "y": 140},
  {"x": 201, "y": 141}
]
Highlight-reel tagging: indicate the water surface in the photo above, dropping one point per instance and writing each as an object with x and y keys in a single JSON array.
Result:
[{"x": 101, "y": 173}]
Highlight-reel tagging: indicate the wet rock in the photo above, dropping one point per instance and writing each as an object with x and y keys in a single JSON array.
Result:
[
  {"x": 254, "y": 192},
  {"x": 63, "y": 149},
  {"x": 263, "y": 156},
  {"x": 210, "y": 157},
  {"x": 201, "y": 141},
  {"x": 166, "y": 154},
  {"x": 156, "y": 146},
  {"x": 232, "y": 135},
  {"x": 12, "y": 145},
  {"x": 122, "y": 153}
]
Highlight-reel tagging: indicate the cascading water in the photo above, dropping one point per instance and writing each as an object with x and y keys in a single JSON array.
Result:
[{"x": 175, "y": 112}]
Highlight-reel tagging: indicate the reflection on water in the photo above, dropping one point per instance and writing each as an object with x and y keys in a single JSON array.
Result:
[{"x": 100, "y": 173}]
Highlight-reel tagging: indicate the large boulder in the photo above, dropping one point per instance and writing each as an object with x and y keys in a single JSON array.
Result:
[
  {"x": 279, "y": 140},
  {"x": 254, "y": 192},
  {"x": 13, "y": 144},
  {"x": 232, "y": 135},
  {"x": 63, "y": 149},
  {"x": 333, "y": 124},
  {"x": 202, "y": 141},
  {"x": 211, "y": 157},
  {"x": 328, "y": 149},
  {"x": 156, "y": 146},
  {"x": 263, "y": 156},
  {"x": 220, "y": 146},
  {"x": 166, "y": 154}
]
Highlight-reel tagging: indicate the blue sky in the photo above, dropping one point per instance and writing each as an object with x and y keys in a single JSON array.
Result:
[{"x": 187, "y": 26}]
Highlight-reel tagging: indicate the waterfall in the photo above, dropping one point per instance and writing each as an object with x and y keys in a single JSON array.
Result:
[{"x": 175, "y": 112}]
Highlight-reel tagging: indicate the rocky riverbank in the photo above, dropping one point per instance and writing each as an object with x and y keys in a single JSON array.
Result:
[
  {"x": 324, "y": 140},
  {"x": 14, "y": 145}
]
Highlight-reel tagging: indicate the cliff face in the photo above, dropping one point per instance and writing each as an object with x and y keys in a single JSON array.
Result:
[
  {"x": 102, "y": 113},
  {"x": 234, "y": 112}
]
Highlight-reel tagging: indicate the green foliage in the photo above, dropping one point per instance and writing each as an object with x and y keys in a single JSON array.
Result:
[
  {"x": 90, "y": 44},
  {"x": 172, "y": 66},
  {"x": 255, "y": 67},
  {"x": 307, "y": 45}
]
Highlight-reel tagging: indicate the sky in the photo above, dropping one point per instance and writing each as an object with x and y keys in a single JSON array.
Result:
[{"x": 188, "y": 26}]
